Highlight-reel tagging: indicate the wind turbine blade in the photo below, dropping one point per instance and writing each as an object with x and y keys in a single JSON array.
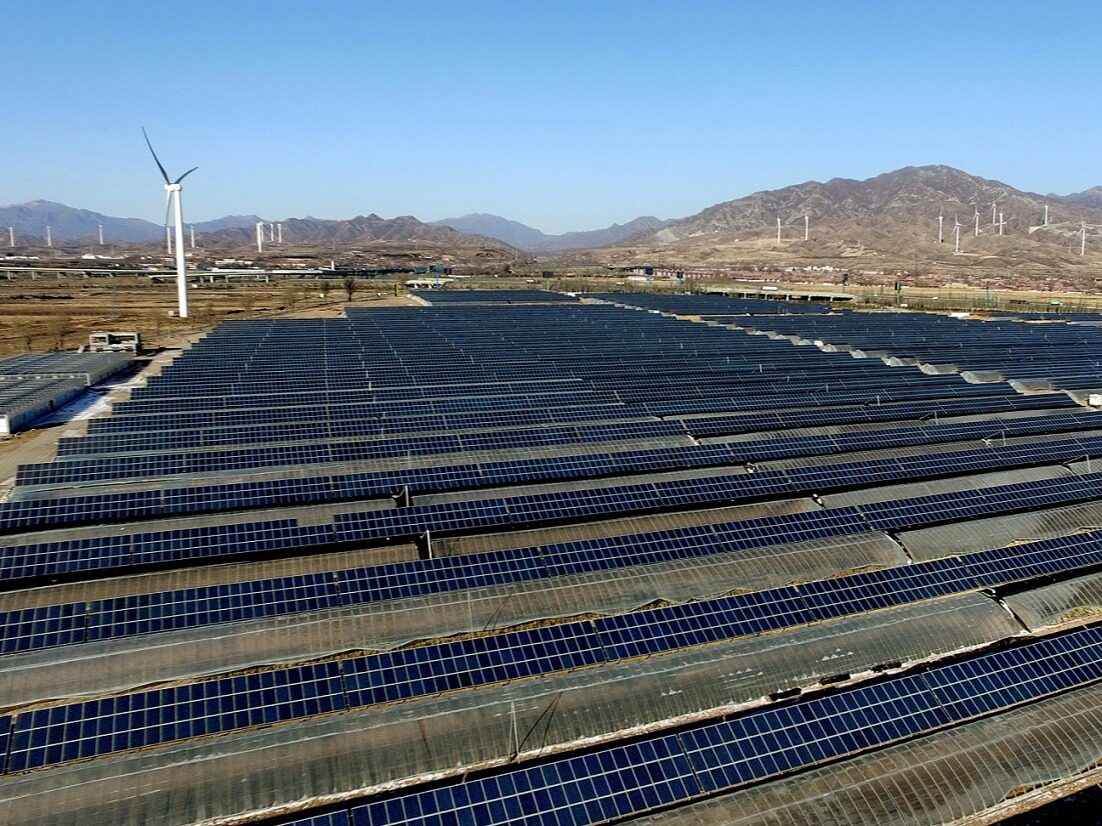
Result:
[
  {"x": 155, "y": 158},
  {"x": 168, "y": 205},
  {"x": 186, "y": 174}
]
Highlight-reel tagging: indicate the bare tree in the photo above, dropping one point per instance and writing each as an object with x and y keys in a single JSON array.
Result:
[
  {"x": 290, "y": 297},
  {"x": 57, "y": 327},
  {"x": 350, "y": 286}
]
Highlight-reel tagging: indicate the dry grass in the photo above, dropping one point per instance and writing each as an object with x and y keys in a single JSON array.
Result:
[{"x": 53, "y": 314}]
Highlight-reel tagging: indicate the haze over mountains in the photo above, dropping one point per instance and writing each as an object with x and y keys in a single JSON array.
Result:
[
  {"x": 890, "y": 217},
  {"x": 72, "y": 224},
  {"x": 359, "y": 230},
  {"x": 527, "y": 238}
]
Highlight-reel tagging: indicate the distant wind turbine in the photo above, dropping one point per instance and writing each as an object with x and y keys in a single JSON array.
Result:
[
  {"x": 778, "y": 230},
  {"x": 1002, "y": 223},
  {"x": 940, "y": 222},
  {"x": 101, "y": 235},
  {"x": 993, "y": 203},
  {"x": 807, "y": 227},
  {"x": 173, "y": 190},
  {"x": 956, "y": 229},
  {"x": 1083, "y": 238},
  {"x": 192, "y": 236},
  {"x": 1045, "y": 224},
  {"x": 11, "y": 236},
  {"x": 976, "y": 231},
  {"x": 280, "y": 236},
  {"x": 260, "y": 236},
  {"x": 49, "y": 238}
]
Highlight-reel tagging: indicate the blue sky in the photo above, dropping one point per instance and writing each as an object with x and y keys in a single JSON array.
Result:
[{"x": 564, "y": 115}]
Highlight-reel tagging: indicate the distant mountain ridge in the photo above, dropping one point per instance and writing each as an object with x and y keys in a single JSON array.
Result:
[
  {"x": 530, "y": 239},
  {"x": 71, "y": 224},
  {"x": 891, "y": 216},
  {"x": 363, "y": 229}
]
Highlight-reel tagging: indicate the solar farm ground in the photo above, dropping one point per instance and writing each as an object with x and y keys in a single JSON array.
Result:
[{"x": 517, "y": 557}]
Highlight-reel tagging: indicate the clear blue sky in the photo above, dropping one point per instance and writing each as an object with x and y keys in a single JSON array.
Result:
[{"x": 563, "y": 115}]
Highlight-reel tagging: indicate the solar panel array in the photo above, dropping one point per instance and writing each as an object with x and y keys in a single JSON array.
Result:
[
  {"x": 549, "y": 446},
  {"x": 655, "y": 772}
]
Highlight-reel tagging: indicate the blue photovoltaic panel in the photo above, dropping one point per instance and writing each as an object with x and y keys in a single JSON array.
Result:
[
  {"x": 69, "y": 732},
  {"x": 592, "y": 788},
  {"x": 410, "y": 672},
  {"x": 186, "y": 608},
  {"x": 42, "y": 627},
  {"x": 881, "y": 589},
  {"x": 1032, "y": 559},
  {"x": 5, "y": 739},
  {"x": 993, "y": 681},
  {"x": 773, "y": 741},
  {"x": 339, "y": 818}
]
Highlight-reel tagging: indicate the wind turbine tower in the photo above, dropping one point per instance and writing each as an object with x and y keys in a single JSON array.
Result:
[
  {"x": 259, "y": 236},
  {"x": 49, "y": 238},
  {"x": 940, "y": 223},
  {"x": 1083, "y": 238},
  {"x": 280, "y": 234},
  {"x": 1045, "y": 224},
  {"x": 807, "y": 228},
  {"x": 11, "y": 236},
  {"x": 192, "y": 236},
  {"x": 101, "y": 235},
  {"x": 993, "y": 221},
  {"x": 1001, "y": 223},
  {"x": 778, "y": 230},
  {"x": 956, "y": 229},
  {"x": 976, "y": 231},
  {"x": 173, "y": 191}
]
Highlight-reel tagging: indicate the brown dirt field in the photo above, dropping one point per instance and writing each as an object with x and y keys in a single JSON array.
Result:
[{"x": 53, "y": 314}]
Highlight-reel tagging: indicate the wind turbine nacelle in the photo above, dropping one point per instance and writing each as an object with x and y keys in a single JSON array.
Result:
[{"x": 173, "y": 187}]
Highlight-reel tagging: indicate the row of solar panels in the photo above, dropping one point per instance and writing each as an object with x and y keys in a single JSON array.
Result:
[
  {"x": 46, "y": 626},
  {"x": 693, "y": 387},
  {"x": 97, "y": 469},
  {"x": 662, "y": 770},
  {"x": 464, "y": 297},
  {"x": 87, "y": 447},
  {"x": 267, "y": 393},
  {"x": 144, "y": 718},
  {"x": 453, "y": 518},
  {"x": 143, "y": 504},
  {"x": 715, "y": 425},
  {"x": 879, "y": 409},
  {"x": 94, "y": 468},
  {"x": 89, "y": 467},
  {"x": 712, "y": 304},
  {"x": 593, "y": 406},
  {"x": 620, "y": 370},
  {"x": 147, "y": 717},
  {"x": 79, "y": 557}
]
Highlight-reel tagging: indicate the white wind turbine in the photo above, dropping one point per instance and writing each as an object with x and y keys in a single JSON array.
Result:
[
  {"x": 956, "y": 229},
  {"x": 172, "y": 194},
  {"x": 940, "y": 224},
  {"x": 976, "y": 217}
]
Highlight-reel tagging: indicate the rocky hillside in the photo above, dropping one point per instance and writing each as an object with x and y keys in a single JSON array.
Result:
[{"x": 891, "y": 216}]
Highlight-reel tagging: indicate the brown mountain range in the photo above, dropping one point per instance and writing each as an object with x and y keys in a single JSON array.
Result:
[{"x": 889, "y": 219}]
